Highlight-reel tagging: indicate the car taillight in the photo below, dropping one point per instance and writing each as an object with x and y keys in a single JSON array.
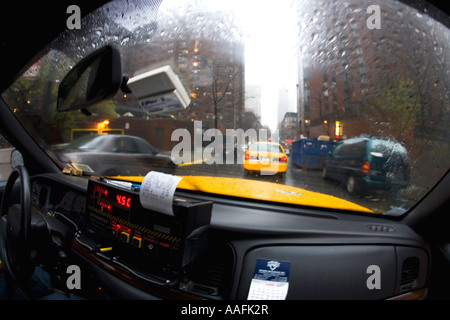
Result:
[
  {"x": 283, "y": 159},
  {"x": 247, "y": 156},
  {"x": 365, "y": 169}
]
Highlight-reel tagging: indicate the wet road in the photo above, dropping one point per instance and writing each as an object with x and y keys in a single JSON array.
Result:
[{"x": 309, "y": 179}]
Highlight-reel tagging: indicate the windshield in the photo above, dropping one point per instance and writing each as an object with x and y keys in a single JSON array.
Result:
[
  {"x": 266, "y": 147},
  {"x": 87, "y": 142},
  {"x": 302, "y": 74}
]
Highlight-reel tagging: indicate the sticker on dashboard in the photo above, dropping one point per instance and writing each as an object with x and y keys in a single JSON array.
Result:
[{"x": 270, "y": 280}]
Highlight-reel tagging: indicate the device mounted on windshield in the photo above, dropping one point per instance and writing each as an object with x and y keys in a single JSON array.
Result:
[
  {"x": 99, "y": 77},
  {"x": 159, "y": 90}
]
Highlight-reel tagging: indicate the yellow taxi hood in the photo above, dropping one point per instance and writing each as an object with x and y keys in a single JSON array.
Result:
[{"x": 260, "y": 190}]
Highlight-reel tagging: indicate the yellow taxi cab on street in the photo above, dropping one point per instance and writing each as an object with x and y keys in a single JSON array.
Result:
[{"x": 266, "y": 158}]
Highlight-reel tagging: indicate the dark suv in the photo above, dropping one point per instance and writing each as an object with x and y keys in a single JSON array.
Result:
[{"x": 367, "y": 163}]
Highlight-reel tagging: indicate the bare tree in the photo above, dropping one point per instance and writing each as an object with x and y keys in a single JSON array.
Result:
[{"x": 223, "y": 83}]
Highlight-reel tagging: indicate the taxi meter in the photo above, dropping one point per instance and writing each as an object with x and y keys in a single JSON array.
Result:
[{"x": 141, "y": 237}]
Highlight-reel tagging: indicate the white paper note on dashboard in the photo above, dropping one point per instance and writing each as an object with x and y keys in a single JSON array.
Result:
[{"x": 157, "y": 191}]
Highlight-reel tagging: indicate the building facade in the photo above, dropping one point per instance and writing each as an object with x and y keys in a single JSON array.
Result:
[{"x": 357, "y": 78}]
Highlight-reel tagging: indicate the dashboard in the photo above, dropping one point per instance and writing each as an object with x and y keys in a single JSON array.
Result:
[{"x": 223, "y": 248}]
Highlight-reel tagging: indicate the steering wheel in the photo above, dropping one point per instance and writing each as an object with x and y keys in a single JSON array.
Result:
[{"x": 15, "y": 228}]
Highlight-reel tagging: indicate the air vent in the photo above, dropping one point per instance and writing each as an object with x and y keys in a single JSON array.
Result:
[
  {"x": 211, "y": 272},
  {"x": 380, "y": 228},
  {"x": 410, "y": 274}
]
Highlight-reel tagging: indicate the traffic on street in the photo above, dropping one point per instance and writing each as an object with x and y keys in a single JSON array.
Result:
[{"x": 309, "y": 179}]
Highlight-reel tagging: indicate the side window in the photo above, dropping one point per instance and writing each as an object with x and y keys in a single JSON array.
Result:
[
  {"x": 144, "y": 147},
  {"x": 5, "y": 156},
  {"x": 353, "y": 149},
  {"x": 337, "y": 150},
  {"x": 358, "y": 149},
  {"x": 128, "y": 145},
  {"x": 346, "y": 150}
]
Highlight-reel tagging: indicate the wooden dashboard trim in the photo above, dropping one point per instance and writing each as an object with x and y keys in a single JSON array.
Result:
[{"x": 413, "y": 295}]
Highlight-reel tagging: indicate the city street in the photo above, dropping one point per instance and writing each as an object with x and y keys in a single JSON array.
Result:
[{"x": 309, "y": 179}]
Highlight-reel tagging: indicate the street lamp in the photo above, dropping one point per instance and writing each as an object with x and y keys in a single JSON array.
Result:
[
  {"x": 338, "y": 130},
  {"x": 102, "y": 126}
]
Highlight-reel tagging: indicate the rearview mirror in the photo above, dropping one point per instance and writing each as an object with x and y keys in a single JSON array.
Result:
[{"x": 95, "y": 78}]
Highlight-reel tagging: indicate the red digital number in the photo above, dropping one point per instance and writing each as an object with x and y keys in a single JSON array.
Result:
[
  {"x": 119, "y": 199},
  {"x": 123, "y": 200},
  {"x": 100, "y": 192}
]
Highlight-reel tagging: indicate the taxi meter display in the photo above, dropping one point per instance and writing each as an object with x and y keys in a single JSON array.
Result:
[{"x": 142, "y": 237}]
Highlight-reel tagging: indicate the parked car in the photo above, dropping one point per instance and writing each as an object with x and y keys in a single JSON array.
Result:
[
  {"x": 367, "y": 163},
  {"x": 112, "y": 154}
]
